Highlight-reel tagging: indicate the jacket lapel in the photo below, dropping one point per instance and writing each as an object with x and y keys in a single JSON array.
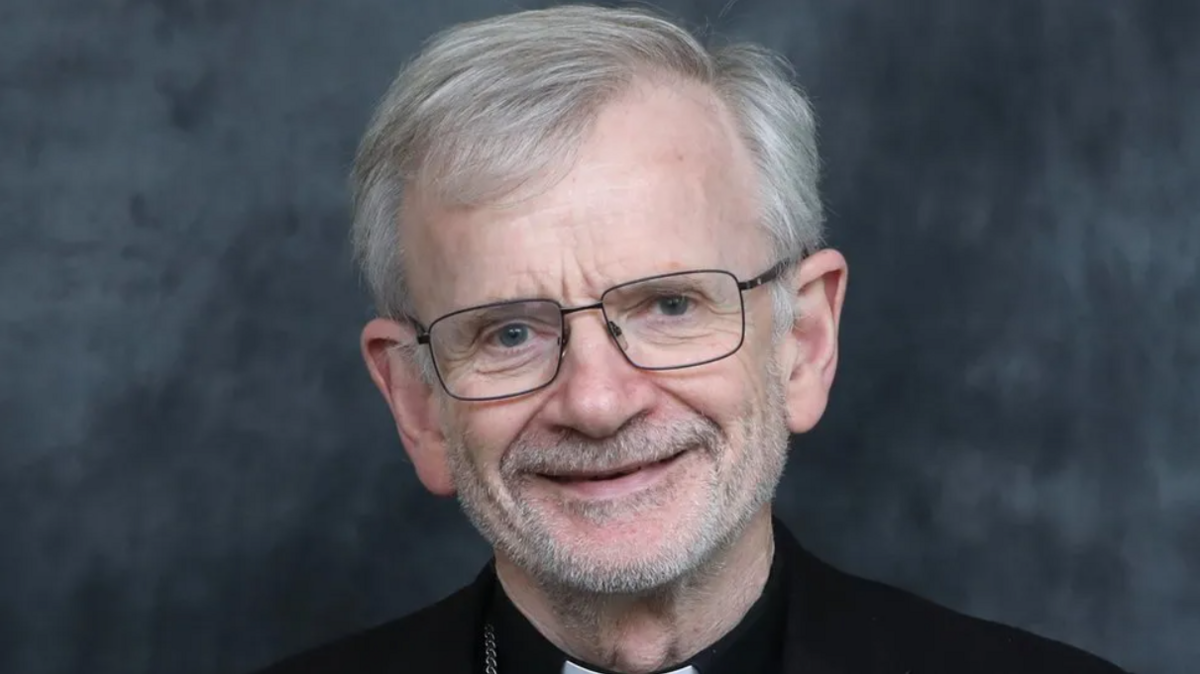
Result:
[
  {"x": 802, "y": 652},
  {"x": 448, "y": 637}
]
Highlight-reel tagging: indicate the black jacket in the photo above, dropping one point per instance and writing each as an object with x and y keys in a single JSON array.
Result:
[{"x": 836, "y": 624}]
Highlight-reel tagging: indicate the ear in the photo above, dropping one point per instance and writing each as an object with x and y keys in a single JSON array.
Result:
[
  {"x": 810, "y": 350},
  {"x": 413, "y": 402}
]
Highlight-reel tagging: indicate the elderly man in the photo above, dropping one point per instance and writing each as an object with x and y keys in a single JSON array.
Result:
[{"x": 604, "y": 306}]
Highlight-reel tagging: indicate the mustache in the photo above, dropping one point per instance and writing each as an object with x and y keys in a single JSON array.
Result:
[{"x": 639, "y": 441}]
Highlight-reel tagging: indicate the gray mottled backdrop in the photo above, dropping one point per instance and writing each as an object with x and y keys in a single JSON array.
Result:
[{"x": 197, "y": 477}]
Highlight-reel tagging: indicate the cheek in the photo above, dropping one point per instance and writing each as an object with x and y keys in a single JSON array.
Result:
[
  {"x": 728, "y": 393},
  {"x": 486, "y": 432}
]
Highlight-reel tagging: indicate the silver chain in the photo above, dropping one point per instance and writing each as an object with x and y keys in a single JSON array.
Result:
[{"x": 489, "y": 649}]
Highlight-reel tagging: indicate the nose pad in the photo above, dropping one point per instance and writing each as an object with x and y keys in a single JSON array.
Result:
[
  {"x": 563, "y": 339},
  {"x": 618, "y": 336}
]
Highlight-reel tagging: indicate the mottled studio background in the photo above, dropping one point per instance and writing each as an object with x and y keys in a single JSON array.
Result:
[{"x": 197, "y": 477}]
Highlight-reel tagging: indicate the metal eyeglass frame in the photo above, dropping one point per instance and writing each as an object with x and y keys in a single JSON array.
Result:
[{"x": 614, "y": 330}]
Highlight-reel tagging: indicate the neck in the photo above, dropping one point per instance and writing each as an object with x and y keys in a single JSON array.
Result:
[{"x": 635, "y": 634}]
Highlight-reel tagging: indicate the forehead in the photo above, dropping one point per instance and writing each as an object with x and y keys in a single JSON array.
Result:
[{"x": 661, "y": 183}]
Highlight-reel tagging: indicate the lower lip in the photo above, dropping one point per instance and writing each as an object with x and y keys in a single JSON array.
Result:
[{"x": 617, "y": 487}]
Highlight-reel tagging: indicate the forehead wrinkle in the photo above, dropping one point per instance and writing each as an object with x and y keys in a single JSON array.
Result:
[{"x": 594, "y": 245}]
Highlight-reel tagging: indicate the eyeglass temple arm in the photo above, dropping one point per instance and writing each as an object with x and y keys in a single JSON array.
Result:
[
  {"x": 765, "y": 277},
  {"x": 422, "y": 331}
]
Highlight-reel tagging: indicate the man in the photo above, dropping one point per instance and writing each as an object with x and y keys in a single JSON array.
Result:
[{"x": 596, "y": 251}]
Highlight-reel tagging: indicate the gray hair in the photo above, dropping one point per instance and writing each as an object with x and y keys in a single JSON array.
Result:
[{"x": 490, "y": 106}]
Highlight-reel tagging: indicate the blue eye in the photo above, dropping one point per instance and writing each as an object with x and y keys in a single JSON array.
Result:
[
  {"x": 512, "y": 335},
  {"x": 674, "y": 305}
]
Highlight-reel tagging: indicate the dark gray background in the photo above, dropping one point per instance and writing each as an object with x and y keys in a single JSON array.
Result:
[{"x": 197, "y": 477}]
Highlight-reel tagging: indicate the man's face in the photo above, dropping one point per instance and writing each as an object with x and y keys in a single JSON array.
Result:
[{"x": 661, "y": 184}]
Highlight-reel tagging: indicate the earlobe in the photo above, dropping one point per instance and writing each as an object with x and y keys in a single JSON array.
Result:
[
  {"x": 412, "y": 401},
  {"x": 819, "y": 287}
]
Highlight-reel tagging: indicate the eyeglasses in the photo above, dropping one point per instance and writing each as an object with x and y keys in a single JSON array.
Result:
[{"x": 664, "y": 322}]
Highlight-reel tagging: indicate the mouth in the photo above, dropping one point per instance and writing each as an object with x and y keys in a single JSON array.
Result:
[{"x": 611, "y": 474}]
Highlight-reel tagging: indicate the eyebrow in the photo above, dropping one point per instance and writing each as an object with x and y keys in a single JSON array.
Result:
[{"x": 492, "y": 299}]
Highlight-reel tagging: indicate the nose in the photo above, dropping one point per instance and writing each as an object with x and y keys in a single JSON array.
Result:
[{"x": 598, "y": 391}]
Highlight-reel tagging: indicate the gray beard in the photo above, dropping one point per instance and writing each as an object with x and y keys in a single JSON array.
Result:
[{"x": 516, "y": 527}]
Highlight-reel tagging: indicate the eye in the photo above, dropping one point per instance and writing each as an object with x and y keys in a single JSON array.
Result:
[
  {"x": 512, "y": 335},
  {"x": 673, "y": 305}
]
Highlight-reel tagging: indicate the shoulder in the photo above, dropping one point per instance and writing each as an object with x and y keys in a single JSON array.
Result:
[
  {"x": 871, "y": 626},
  {"x": 404, "y": 644},
  {"x": 936, "y": 638}
]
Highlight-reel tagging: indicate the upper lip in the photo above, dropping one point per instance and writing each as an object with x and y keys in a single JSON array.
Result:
[{"x": 604, "y": 472}]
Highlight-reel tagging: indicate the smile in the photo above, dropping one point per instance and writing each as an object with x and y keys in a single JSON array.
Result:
[{"x": 616, "y": 482}]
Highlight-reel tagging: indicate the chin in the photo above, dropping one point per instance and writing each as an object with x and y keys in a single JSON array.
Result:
[
  {"x": 622, "y": 554},
  {"x": 620, "y": 570}
]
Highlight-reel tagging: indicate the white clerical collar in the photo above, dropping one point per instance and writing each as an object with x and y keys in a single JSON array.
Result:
[{"x": 572, "y": 668}]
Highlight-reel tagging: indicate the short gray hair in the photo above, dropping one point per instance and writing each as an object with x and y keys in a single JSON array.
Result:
[{"x": 489, "y": 106}]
